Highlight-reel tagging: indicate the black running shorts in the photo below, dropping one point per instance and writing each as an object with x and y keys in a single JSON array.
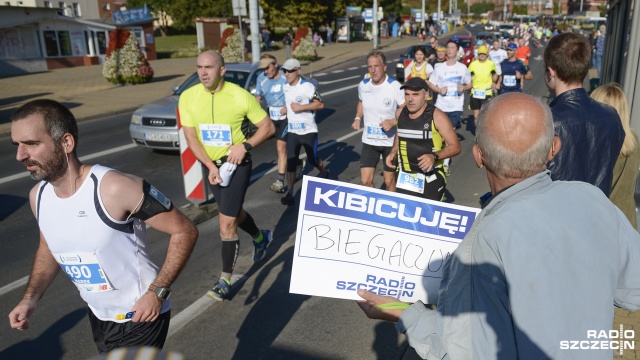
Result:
[{"x": 370, "y": 156}]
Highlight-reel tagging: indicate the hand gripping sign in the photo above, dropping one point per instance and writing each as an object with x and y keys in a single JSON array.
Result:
[{"x": 351, "y": 237}]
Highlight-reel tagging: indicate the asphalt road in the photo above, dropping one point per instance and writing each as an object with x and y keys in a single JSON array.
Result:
[{"x": 263, "y": 320}]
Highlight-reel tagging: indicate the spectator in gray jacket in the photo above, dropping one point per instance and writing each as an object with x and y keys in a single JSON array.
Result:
[{"x": 542, "y": 265}]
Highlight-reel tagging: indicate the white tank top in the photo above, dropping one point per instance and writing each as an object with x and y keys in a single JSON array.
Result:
[{"x": 105, "y": 258}]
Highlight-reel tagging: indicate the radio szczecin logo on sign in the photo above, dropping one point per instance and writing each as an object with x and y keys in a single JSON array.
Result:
[{"x": 603, "y": 340}]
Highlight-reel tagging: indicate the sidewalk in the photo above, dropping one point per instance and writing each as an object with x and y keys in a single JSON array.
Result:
[{"x": 89, "y": 95}]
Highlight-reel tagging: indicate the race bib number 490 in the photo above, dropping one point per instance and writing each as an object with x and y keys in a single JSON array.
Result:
[
  {"x": 84, "y": 270},
  {"x": 216, "y": 134}
]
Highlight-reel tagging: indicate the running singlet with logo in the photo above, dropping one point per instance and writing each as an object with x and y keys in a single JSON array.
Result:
[
  {"x": 416, "y": 138},
  {"x": 272, "y": 90},
  {"x": 509, "y": 81},
  {"x": 217, "y": 118},
  {"x": 105, "y": 258},
  {"x": 450, "y": 77},
  {"x": 379, "y": 102},
  {"x": 303, "y": 122}
]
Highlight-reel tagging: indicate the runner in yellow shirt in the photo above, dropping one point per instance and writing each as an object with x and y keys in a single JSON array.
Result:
[{"x": 483, "y": 77}]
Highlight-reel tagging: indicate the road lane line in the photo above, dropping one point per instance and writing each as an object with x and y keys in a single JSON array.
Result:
[
  {"x": 353, "y": 68},
  {"x": 320, "y": 74},
  {"x": 335, "y": 81},
  {"x": 337, "y": 71},
  {"x": 14, "y": 285},
  {"x": 304, "y": 156},
  {"x": 25, "y": 174},
  {"x": 338, "y": 90}
]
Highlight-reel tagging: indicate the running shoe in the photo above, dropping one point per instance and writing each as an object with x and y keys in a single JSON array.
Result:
[
  {"x": 301, "y": 164},
  {"x": 219, "y": 291},
  {"x": 278, "y": 187},
  {"x": 288, "y": 200},
  {"x": 261, "y": 247}
]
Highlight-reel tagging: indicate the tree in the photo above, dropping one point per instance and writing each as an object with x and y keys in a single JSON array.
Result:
[
  {"x": 483, "y": 7},
  {"x": 158, "y": 8}
]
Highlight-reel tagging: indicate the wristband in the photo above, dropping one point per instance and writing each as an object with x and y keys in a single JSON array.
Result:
[
  {"x": 357, "y": 118},
  {"x": 393, "y": 306}
]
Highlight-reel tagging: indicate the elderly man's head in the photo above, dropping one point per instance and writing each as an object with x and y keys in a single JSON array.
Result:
[{"x": 515, "y": 136}]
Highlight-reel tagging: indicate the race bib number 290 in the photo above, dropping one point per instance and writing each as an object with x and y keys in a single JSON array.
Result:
[{"x": 84, "y": 270}]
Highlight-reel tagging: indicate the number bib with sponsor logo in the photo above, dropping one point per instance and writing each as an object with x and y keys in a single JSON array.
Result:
[
  {"x": 216, "y": 134},
  {"x": 509, "y": 80},
  {"x": 84, "y": 270},
  {"x": 275, "y": 114},
  {"x": 452, "y": 91},
  {"x": 376, "y": 132},
  {"x": 411, "y": 182},
  {"x": 297, "y": 126},
  {"x": 480, "y": 94}
]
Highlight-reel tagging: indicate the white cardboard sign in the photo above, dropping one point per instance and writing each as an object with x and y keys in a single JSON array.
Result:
[{"x": 350, "y": 237}]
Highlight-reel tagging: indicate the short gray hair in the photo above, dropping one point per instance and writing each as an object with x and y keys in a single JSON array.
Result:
[{"x": 506, "y": 163}]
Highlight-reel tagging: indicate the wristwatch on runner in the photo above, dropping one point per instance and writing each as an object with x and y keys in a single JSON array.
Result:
[{"x": 163, "y": 293}]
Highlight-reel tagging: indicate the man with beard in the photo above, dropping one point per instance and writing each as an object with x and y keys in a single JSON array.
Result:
[
  {"x": 418, "y": 145},
  {"x": 92, "y": 225}
]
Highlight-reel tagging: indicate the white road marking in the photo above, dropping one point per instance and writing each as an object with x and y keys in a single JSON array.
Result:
[
  {"x": 320, "y": 74},
  {"x": 337, "y": 71},
  {"x": 25, "y": 174},
  {"x": 353, "y": 68},
  {"x": 335, "y": 81},
  {"x": 304, "y": 156}
]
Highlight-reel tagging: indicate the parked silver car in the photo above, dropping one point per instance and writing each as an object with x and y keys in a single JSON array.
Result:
[{"x": 155, "y": 125}]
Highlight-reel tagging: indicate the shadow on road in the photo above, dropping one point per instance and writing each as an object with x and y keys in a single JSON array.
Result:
[{"x": 47, "y": 345}]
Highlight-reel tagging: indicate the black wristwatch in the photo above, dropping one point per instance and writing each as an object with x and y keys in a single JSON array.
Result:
[
  {"x": 163, "y": 293},
  {"x": 435, "y": 157},
  {"x": 247, "y": 146}
]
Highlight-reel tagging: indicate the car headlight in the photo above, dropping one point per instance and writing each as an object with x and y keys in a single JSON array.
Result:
[
  {"x": 400, "y": 65},
  {"x": 136, "y": 119}
]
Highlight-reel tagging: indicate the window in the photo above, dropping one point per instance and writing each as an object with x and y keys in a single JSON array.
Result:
[
  {"x": 102, "y": 42},
  {"x": 65, "y": 43},
  {"x": 19, "y": 3},
  {"x": 106, "y": 6},
  {"x": 76, "y": 10},
  {"x": 61, "y": 5},
  {"x": 51, "y": 43},
  {"x": 47, "y": 4}
]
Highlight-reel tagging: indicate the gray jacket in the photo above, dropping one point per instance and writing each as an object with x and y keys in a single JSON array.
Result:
[{"x": 543, "y": 264}]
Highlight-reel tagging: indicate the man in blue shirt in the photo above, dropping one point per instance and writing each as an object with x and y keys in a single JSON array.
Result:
[
  {"x": 270, "y": 85},
  {"x": 513, "y": 71}
]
